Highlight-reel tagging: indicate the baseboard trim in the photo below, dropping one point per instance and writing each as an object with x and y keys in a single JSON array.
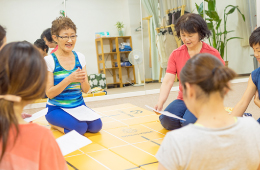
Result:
[{"x": 124, "y": 95}]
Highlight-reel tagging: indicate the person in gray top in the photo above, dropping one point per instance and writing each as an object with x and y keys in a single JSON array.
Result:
[{"x": 217, "y": 140}]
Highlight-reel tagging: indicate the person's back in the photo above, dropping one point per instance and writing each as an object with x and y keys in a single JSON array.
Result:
[
  {"x": 233, "y": 148},
  {"x": 217, "y": 140},
  {"x": 34, "y": 148},
  {"x": 25, "y": 146}
]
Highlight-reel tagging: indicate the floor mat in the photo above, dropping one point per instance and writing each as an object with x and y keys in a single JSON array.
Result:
[{"x": 129, "y": 140}]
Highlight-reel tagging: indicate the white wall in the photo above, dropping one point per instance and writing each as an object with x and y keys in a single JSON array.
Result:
[
  {"x": 25, "y": 20},
  {"x": 239, "y": 57}
]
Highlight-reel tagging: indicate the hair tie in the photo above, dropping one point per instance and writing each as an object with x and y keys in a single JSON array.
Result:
[
  {"x": 11, "y": 98},
  {"x": 214, "y": 70}
]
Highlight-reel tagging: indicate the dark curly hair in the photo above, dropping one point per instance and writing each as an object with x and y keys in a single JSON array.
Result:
[
  {"x": 47, "y": 34},
  {"x": 2, "y": 35},
  {"x": 62, "y": 23},
  {"x": 192, "y": 23}
]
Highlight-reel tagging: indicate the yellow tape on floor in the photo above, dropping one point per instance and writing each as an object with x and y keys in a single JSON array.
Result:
[{"x": 129, "y": 140}]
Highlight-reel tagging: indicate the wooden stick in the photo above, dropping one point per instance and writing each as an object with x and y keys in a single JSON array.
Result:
[
  {"x": 147, "y": 18},
  {"x": 168, "y": 11}
]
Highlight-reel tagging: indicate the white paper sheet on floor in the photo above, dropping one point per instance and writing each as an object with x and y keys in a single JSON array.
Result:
[
  {"x": 166, "y": 113},
  {"x": 37, "y": 115},
  {"x": 82, "y": 113},
  {"x": 71, "y": 142}
]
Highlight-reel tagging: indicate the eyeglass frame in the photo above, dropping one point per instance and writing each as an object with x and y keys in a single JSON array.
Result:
[{"x": 69, "y": 37}]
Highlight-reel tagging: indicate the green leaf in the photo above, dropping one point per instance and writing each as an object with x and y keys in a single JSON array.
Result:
[
  {"x": 214, "y": 40},
  {"x": 211, "y": 5},
  {"x": 222, "y": 49},
  {"x": 209, "y": 19},
  {"x": 234, "y": 38},
  {"x": 200, "y": 9},
  {"x": 231, "y": 10},
  {"x": 243, "y": 16},
  {"x": 213, "y": 15},
  {"x": 210, "y": 26},
  {"x": 228, "y": 7},
  {"x": 225, "y": 32},
  {"x": 218, "y": 24}
]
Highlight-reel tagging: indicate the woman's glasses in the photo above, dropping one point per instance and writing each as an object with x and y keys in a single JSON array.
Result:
[{"x": 73, "y": 37}]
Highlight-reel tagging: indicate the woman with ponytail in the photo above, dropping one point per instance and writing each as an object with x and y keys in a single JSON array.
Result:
[
  {"x": 216, "y": 140},
  {"x": 24, "y": 145}
]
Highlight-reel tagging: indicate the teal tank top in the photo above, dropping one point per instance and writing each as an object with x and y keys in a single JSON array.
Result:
[{"x": 71, "y": 96}]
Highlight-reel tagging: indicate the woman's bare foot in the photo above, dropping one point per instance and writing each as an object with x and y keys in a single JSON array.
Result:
[{"x": 57, "y": 128}]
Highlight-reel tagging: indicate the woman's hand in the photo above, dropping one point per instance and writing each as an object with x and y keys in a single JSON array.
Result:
[
  {"x": 77, "y": 76},
  {"x": 158, "y": 107},
  {"x": 26, "y": 115},
  {"x": 256, "y": 98}
]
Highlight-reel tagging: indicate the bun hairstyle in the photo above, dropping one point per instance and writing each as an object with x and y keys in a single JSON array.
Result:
[
  {"x": 23, "y": 73},
  {"x": 207, "y": 72}
]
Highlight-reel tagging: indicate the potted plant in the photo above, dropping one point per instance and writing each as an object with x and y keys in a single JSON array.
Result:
[
  {"x": 219, "y": 39},
  {"x": 119, "y": 26}
]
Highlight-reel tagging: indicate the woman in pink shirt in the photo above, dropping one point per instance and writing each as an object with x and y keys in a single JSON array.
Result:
[
  {"x": 23, "y": 76},
  {"x": 192, "y": 29}
]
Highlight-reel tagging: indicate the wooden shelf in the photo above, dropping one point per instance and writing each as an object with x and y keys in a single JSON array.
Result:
[
  {"x": 118, "y": 67},
  {"x": 113, "y": 83},
  {"x": 121, "y": 52},
  {"x": 115, "y": 57},
  {"x": 124, "y": 37}
]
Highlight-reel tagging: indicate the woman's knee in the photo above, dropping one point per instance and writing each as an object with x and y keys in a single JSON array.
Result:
[
  {"x": 95, "y": 126},
  {"x": 169, "y": 123},
  {"x": 81, "y": 127}
]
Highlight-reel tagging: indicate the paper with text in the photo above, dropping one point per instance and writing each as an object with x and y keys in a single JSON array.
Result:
[
  {"x": 37, "y": 115},
  {"x": 166, "y": 113},
  {"x": 71, "y": 142},
  {"x": 82, "y": 113}
]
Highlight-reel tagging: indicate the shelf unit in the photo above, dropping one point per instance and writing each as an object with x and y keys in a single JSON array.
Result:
[{"x": 101, "y": 59}]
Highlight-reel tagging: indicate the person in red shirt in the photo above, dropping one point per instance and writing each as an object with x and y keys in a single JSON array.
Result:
[
  {"x": 192, "y": 29},
  {"x": 24, "y": 145}
]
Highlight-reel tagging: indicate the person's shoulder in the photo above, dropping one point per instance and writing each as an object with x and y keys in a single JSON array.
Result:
[
  {"x": 178, "y": 51},
  {"x": 249, "y": 121},
  {"x": 256, "y": 71},
  {"x": 79, "y": 54},
  {"x": 35, "y": 130},
  {"x": 48, "y": 58},
  {"x": 181, "y": 48},
  {"x": 180, "y": 135}
]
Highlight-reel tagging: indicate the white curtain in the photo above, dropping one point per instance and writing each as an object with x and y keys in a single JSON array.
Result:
[
  {"x": 248, "y": 8},
  {"x": 151, "y": 8}
]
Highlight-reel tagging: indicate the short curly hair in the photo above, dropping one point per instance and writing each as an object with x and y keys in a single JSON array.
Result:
[
  {"x": 62, "y": 23},
  {"x": 192, "y": 23}
]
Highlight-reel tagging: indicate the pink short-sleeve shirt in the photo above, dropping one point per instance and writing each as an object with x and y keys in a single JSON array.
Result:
[{"x": 180, "y": 56}]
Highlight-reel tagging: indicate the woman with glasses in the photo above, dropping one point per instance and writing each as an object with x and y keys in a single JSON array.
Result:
[{"x": 67, "y": 78}]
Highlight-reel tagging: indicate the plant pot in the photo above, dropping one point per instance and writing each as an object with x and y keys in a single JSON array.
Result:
[
  {"x": 120, "y": 33},
  {"x": 226, "y": 63}
]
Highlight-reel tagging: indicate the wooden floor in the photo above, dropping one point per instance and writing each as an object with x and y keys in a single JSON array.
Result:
[{"x": 129, "y": 139}]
